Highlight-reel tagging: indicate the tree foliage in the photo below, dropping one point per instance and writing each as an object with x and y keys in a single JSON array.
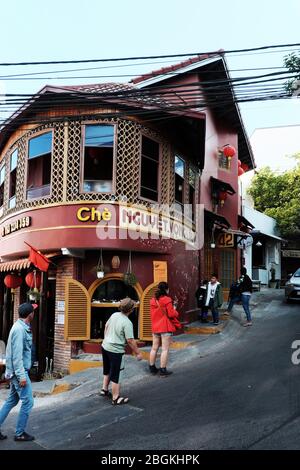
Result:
[
  {"x": 278, "y": 195},
  {"x": 292, "y": 63}
]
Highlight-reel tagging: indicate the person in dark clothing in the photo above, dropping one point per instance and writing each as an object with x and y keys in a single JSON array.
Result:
[
  {"x": 200, "y": 295},
  {"x": 243, "y": 293},
  {"x": 214, "y": 297}
]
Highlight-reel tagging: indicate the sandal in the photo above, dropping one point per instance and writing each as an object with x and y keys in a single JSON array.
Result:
[
  {"x": 105, "y": 393},
  {"x": 120, "y": 401}
]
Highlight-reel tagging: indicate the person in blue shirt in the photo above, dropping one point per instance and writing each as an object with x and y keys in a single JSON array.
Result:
[{"x": 18, "y": 364}]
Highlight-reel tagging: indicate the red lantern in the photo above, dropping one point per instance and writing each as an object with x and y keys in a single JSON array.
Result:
[
  {"x": 222, "y": 197},
  {"x": 31, "y": 282},
  {"x": 245, "y": 167},
  {"x": 240, "y": 171},
  {"x": 239, "y": 163},
  {"x": 229, "y": 151},
  {"x": 12, "y": 281}
]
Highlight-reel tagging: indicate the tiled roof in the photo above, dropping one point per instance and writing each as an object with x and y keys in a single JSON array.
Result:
[
  {"x": 101, "y": 87},
  {"x": 173, "y": 68},
  {"x": 133, "y": 94}
]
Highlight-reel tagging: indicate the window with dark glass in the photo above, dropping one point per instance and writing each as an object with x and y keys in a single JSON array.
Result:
[
  {"x": 2, "y": 178},
  {"x": 149, "y": 169},
  {"x": 179, "y": 179},
  {"x": 192, "y": 191},
  {"x": 12, "y": 179},
  {"x": 98, "y": 158},
  {"x": 39, "y": 166}
]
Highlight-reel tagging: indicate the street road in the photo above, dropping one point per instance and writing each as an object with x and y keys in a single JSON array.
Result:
[{"x": 244, "y": 396}]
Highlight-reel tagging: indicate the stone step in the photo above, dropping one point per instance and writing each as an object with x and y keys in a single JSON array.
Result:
[
  {"x": 205, "y": 328},
  {"x": 77, "y": 365},
  {"x": 183, "y": 341}
]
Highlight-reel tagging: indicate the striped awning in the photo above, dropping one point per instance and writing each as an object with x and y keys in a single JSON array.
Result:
[
  {"x": 15, "y": 265},
  {"x": 22, "y": 263}
]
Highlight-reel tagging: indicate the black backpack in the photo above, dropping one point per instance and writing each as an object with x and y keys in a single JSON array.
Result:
[{"x": 235, "y": 289}]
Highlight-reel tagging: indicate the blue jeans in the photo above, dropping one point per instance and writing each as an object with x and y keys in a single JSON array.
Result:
[
  {"x": 18, "y": 393},
  {"x": 245, "y": 302}
]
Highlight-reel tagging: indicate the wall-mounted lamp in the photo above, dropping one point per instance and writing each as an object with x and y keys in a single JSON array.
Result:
[
  {"x": 258, "y": 243},
  {"x": 212, "y": 241},
  {"x": 222, "y": 197}
]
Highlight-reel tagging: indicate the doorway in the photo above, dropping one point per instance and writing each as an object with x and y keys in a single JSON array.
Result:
[
  {"x": 227, "y": 271},
  {"x": 105, "y": 297}
]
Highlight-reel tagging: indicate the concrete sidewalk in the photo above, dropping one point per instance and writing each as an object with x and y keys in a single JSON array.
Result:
[{"x": 198, "y": 341}]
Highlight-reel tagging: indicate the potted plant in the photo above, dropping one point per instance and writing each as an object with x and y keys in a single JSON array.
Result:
[
  {"x": 34, "y": 294},
  {"x": 99, "y": 269},
  {"x": 129, "y": 277}
]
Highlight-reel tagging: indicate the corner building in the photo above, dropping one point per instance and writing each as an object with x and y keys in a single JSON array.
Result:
[{"x": 80, "y": 169}]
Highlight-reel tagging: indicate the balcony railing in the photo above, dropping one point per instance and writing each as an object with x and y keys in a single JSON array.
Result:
[{"x": 40, "y": 191}]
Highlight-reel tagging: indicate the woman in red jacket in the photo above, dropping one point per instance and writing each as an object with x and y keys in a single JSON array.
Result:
[{"x": 164, "y": 319}]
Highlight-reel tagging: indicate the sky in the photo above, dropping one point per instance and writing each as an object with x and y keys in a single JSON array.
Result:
[
  {"x": 274, "y": 146},
  {"x": 71, "y": 29}
]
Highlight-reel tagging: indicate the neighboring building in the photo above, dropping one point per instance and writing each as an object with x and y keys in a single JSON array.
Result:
[
  {"x": 70, "y": 161},
  {"x": 272, "y": 147},
  {"x": 264, "y": 253}
]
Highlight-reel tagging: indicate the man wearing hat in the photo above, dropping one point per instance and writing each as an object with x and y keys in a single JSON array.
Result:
[{"x": 18, "y": 364}]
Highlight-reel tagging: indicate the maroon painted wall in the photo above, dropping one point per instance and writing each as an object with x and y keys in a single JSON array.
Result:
[
  {"x": 48, "y": 233},
  {"x": 183, "y": 269}
]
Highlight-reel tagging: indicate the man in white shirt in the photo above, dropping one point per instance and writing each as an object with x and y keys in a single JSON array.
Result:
[{"x": 214, "y": 297}]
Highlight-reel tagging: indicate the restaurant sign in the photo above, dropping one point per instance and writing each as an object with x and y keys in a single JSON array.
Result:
[
  {"x": 127, "y": 221},
  {"x": 16, "y": 225},
  {"x": 291, "y": 253}
]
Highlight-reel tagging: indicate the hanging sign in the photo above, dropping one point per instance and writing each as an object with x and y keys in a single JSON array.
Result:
[
  {"x": 225, "y": 240},
  {"x": 160, "y": 271}
]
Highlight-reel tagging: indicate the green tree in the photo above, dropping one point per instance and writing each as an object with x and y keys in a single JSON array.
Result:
[
  {"x": 292, "y": 63},
  {"x": 278, "y": 195}
]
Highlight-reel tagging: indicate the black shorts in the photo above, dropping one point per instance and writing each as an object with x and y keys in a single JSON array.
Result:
[{"x": 112, "y": 364}]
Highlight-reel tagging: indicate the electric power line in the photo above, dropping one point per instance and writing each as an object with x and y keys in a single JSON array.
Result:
[{"x": 165, "y": 56}]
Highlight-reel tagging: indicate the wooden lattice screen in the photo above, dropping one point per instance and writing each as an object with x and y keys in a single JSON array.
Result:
[
  {"x": 145, "y": 319},
  {"x": 78, "y": 311}
]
